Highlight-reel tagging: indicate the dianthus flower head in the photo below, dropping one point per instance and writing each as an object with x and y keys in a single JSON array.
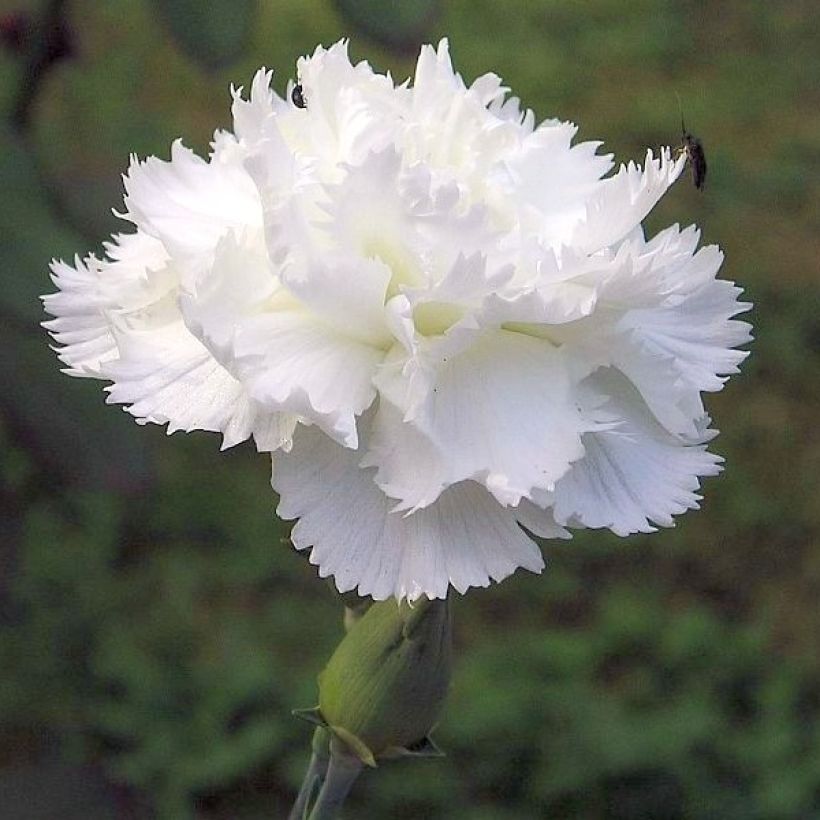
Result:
[{"x": 444, "y": 321}]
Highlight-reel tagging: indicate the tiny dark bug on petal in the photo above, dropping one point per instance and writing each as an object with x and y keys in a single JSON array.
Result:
[
  {"x": 298, "y": 97},
  {"x": 693, "y": 148}
]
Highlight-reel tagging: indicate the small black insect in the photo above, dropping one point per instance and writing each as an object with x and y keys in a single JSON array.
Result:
[
  {"x": 693, "y": 148},
  {"x": 297, "y": 96}
]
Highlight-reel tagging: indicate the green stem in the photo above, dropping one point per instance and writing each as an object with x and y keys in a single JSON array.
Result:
[
  {"x": 342, "y": 772},
  {"x": 315, "y": 775},
  {"x": 314, "y": 778}
]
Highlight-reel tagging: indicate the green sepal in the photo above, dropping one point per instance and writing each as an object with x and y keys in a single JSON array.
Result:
[
  {"x": 414, "y": 617},
  {"x": 355, "y": 744},
  {"x": 426, "y": 747},
  {"x": 313, "y": 715}
]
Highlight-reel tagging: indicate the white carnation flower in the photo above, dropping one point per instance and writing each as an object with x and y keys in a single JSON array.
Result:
[{"x": 446, "y": 320}]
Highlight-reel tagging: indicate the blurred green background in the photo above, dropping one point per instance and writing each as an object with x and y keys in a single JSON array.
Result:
[{"x": 156, "y": 628}]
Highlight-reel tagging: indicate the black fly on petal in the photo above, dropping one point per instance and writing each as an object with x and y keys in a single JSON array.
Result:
[
  {"x": 298, "y": 97},
  {"x": 693, "y": 148},
  {"x": 696, "y": 156}
]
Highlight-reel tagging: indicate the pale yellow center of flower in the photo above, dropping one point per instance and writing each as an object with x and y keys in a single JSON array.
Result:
[
  {"x": 531, "y": 329},
  {"x": 430, "y": 318},
  {"x": 401, "y": 263},
  {"x": 434, "y": 318}
]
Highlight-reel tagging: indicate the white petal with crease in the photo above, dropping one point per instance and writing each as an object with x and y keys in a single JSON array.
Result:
[
  {"x": 167, "y": 377},
  {"x": 188, "y": 203},
  {"x": 466, "y": 539},
  {"x": 501, "y": 413},
  {"x": 290, "y": 363},
  {"x": 623, "y": 201},
  {"x": 633, "y": 475}
]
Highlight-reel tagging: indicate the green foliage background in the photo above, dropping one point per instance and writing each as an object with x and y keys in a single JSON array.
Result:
[{"x": 156, "y": 628}]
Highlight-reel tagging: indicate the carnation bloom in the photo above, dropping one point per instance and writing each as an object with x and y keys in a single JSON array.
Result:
[{"x": 444, "y": 321}]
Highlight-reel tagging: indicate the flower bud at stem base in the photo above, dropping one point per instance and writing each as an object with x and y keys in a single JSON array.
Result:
[{"x": 380, "y": 695}]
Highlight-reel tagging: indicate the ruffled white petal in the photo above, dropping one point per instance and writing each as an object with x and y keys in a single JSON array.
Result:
[
  {"x": 350, "y": 110},
  {"x": 466, "y": 539},
  {"x": 118, "y": 319},
  {"x": 695, "y": 332},
  {"x": 633, "y": 474},
  {"x": 80, "y": 327},
  {"x": 540, "y": 520},
  {"x": 501, "y": 413},
  {"x": 290, "y": 363},
  {"x": 623, "y": 201},
  {"x": 167, "y": 377},
  {"x": 463, "y": 134},
  {"x": 673, "y": 403},
  {"x": 132, "y": 277},
  {"x": 341, "y": 265},
  {"x": 288, "y": 360},
  {"x": 251, "y": 116},
  {"x": 552, "y": 180},
  {"x": 189, "y": 203},
  {"x": 663, "y": 319}
]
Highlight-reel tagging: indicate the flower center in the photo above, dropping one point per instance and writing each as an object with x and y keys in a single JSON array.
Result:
[
  {"x": 434, "y": 318},
  {"x": 400, "y": 262}
]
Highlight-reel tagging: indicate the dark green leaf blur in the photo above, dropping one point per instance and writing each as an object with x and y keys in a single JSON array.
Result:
[{"x": 156, "y": 627}]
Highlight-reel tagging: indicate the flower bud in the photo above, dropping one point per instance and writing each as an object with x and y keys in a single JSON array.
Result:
[{"x": 385, "y": 685}]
